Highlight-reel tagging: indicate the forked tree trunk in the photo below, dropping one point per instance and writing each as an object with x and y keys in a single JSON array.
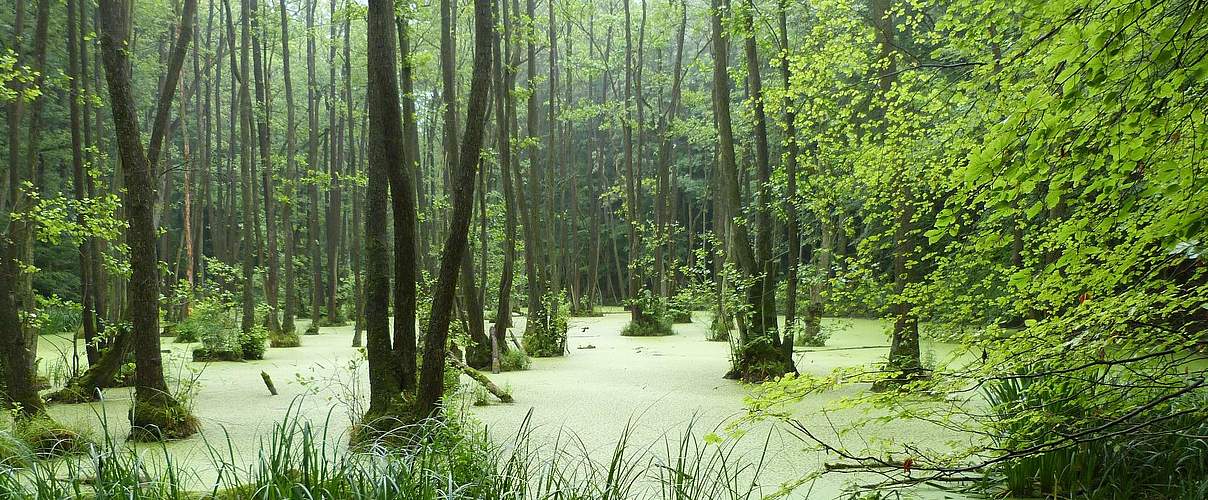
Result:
[{"x": 156, "y": 414}]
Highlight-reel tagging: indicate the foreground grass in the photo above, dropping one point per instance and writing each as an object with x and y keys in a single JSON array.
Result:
[{"x": 448, "y": 459}]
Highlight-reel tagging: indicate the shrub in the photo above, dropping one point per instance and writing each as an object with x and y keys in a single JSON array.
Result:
[
  {"x": 284, "y": 339},
  {"x": 545, "y": 332},
  {"x": 654, "y": 320},
  {"x": 514, "y": 360},
  {"x": 719, "y": 328},
  {"x": 807, "y": 335},
  {"x": 208, "y": 319},
  {"x": 1168, "y": 456},
  {"x": 56, "y": 316},
  {"x": 253, "y": 343}
]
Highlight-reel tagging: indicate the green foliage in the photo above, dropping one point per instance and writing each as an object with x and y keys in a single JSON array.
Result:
[
  {"x": 212, "y": 323},
  {"x": 546, "y": 330},
  {"x": 513, "y": 360},
  {"x": 58, "y": 316},
  {"x": 253, "y": 343},
  {"x": 654, "y": 319},
  {"x": 806, "y": 335},
  {"x": 1156, "y": 464}
]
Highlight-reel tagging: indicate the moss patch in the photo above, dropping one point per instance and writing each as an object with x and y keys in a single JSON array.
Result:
[{"x": 160, "y": 419}]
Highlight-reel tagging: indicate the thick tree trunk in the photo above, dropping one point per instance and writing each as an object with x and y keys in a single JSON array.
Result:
[{"x": 385, "y": 152}]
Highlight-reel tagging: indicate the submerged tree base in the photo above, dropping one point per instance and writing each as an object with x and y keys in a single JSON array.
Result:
[
  {"x": 760, "y": 362},
  {"x": 160, "y": 419}
]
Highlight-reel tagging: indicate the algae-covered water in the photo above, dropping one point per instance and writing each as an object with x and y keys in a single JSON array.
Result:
[{"x": 653, "y": 386}]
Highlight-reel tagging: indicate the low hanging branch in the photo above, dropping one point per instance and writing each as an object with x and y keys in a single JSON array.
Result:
[{"x": 481, "y": 379}]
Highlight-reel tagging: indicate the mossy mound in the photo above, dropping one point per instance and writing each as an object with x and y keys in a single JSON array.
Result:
[
  {"x": 284, "y": 339},
  {"x": 313, "y": 329},
  {"x": 681, "y": 317},
  {"x": 160, "y": 419},
  {"x": 514, "y": 360},
  {"x": 40, "y": 437},
  {"x": 647, "y": 325},
  {"x": 203, "y": 355}
]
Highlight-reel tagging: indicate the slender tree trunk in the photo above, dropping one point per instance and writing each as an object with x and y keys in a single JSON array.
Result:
[
  {"x": 75, "y": 56},
  {"x": 289, "y": 186},
  {"x": 407, "y": 241},
  {"x": 272, "y": 280},
  {"x": 156, "y": 414},
  {"x": 312, "y": 159},
  {"x": 431, "y": 385},
  {"x": 335, "y": 203},
  {"x": 663, "y": 203},
  {"x": 504, "y": 80}
]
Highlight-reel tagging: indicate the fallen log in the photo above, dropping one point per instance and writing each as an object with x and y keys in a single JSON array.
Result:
[
  {"x": 481, "y": 379},
  {"x": 826, "y": 349}
]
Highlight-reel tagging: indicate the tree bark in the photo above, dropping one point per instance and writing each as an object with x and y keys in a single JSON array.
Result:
[
  {"x": 153, "y": 406},
  {"x": 291, "y": 192},
  {"x": 431, "y": 384}
]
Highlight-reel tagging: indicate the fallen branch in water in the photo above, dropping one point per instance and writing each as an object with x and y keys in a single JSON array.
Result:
[{"x": 481, "y": 379}]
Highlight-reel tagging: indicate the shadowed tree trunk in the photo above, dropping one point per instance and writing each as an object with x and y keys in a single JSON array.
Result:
[
  {"x": 248, "y": 246},
  {"x": 156, "y": 414},
  {"x": 431, "y": 385},
  {"x": 407, "y": 241},
  {"x": 291, "y": 168},
  {"x": 272, "y": 280},
  {"x": 312, "y": 158},
  {"x": 385, "y": 152},
  {"x": 504, "y": 79},
  {"x": 758, "y": 357}
]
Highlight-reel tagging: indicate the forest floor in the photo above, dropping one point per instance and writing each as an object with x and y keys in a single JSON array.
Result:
[{"x": 655, "y": 386}]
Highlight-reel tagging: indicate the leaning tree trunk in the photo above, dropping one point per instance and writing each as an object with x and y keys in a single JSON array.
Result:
[
  {"x": 431, "y": 386},
  {"x": 156, "y": 414}
]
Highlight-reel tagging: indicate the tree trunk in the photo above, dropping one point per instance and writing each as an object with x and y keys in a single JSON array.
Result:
[
  {"x": 272, "y": 280},
  {"x": 431, "y": 385},
  {"x": 504, "y": 80},
  {"x": 312, "y": 159},
  {"x": 385, "y": 153},
  {"x": 156, "y": 414},
  {"x": 758, "y": 357},
  {"x": 291, "y": 192},
  {"x": 407, "y": 242}
]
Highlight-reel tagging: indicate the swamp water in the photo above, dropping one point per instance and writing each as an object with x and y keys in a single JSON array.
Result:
[{"x": 654, "y": 387}]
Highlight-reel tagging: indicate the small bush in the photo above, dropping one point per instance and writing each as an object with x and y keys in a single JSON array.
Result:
[
  {"x": 209, "y": 320},
  {"x": 719, "y": 328},
  {"x": 514, "y": 360},
  {"x": 807, "y": 335},
  {"x": 654, "y": 320},
  {"x": 545, "y": 332},
  {"x": 284, "y": 339},
  {"x": 57, "y": 316},
  {"x": 253, "y": 343}
]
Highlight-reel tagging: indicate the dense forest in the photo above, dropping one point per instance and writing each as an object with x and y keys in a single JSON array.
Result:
[{"x": 954, "y": 247}]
